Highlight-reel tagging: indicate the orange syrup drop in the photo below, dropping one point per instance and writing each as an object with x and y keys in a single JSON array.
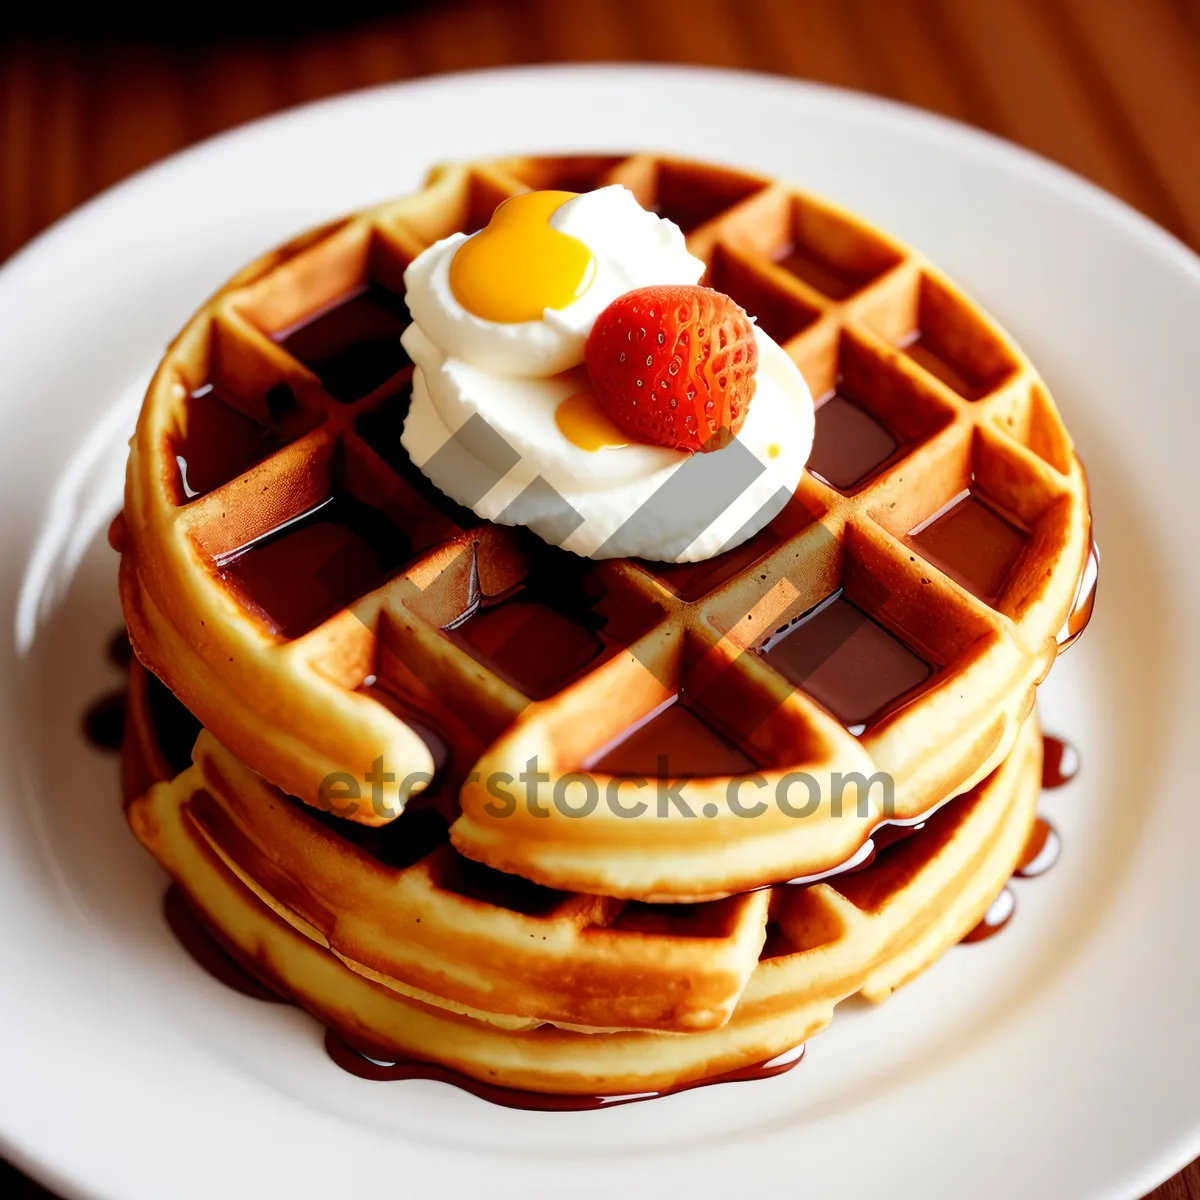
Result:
[{"x": 585, "y": 424}]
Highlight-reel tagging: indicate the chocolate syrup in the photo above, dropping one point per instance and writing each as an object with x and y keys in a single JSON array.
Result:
[
  {"x": 883, "y": 838},
  {"x": 104, "y": 725},
  {"x": 359, "y": 1064},
  {"x": 352, "y": 345},
  {"x": 104, "y": 721},
  {"x": 415, "y": 833},
  {"x": 848, "y": 662},
  {"x": 673, "y": 733},
  {"x": 477, "y": 881},
  {"x": 1041, "y": 851},
  {"x": 996, "y": 918},
  {"x": 175, "y": 728},
  {"x": 296, "y": 576},
  {"x": 419, "y": 721},
  {"x": 1085, "y": 601},
  {"x": 529, "y": 645},
  {"x": 541, "y": 633},
  {"x": 118, "y": 530},
  {"x": 1060, "y": 762},
  {"x": 849, "y": 444},
  {"x": 120, "y": 649},
  {"x": 973, "y": 542},
  {"x": 217, "y": 442},
  {"x": 206, "y": 950}
]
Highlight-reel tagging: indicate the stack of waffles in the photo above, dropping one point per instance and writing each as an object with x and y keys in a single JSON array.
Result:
[{"x": 593, "y": 827}]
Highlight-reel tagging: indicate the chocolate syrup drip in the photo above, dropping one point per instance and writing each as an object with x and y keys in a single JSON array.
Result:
[
  {"x": 207, "y": 952},
  {"x": 1041, "y": 851},
  {"x": 882, "y": 838},
  {"x": 996, "y": 918},
  {"x": 415, "y": 833},
  {"x": 116, "y": 533},
  {"x": 175, "y": 729},
  {"x": 358, "y": 1064},
  {"x": 104, "y": 725},
  {"x": 104, "y": 721},
  {"x": 120, "y": 649},
  {"x": 1085, "y": 601},
  {"x": 1060, "y": 762}
]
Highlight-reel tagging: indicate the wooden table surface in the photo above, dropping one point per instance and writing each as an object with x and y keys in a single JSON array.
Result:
[{"x": 1109, "y": 88}]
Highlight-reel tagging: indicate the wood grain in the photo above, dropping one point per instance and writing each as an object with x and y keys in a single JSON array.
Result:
[{"x": 1109, "y": 88}]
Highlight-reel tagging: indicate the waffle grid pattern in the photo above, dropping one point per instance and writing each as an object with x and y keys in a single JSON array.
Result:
[{"x": 966, "y": 406}]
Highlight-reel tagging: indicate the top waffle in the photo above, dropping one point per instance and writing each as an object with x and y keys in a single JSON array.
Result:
[{"x": 342, "y": 627}]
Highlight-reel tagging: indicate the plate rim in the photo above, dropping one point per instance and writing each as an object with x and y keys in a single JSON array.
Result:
[{"x": 966, "y": 136}]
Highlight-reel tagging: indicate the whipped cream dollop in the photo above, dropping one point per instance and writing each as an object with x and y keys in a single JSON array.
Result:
[{"x": 485, "y": 424}]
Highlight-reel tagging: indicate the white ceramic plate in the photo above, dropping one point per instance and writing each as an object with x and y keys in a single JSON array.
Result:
[{"x": 1060, "y": 1059}]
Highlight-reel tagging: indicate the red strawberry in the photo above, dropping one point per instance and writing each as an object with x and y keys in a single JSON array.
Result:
[{"x": 674, "y": 365}]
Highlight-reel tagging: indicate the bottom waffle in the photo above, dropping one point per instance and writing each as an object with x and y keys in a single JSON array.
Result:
[{"x": 497, "y": 990}]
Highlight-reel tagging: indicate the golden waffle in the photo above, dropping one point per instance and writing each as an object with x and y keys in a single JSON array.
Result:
[
  {"x": 310, "y": 651},
  {"x": 486, "y": 978}
]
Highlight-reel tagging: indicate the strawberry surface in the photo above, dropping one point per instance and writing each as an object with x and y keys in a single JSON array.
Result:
[{"x": 674, "y": 365}]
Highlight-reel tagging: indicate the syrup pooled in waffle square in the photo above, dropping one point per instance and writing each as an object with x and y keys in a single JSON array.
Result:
[{"x": 284, "y": 565}]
